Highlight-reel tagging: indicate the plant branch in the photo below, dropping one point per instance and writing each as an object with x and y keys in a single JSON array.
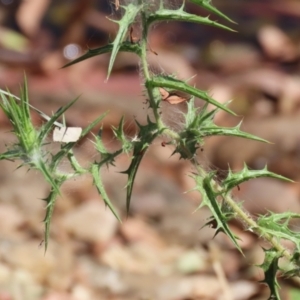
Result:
[{"x": 240, "y": 213}]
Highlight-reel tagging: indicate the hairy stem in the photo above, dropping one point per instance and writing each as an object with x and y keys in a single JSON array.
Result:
[{"x": 146, "y": 72}]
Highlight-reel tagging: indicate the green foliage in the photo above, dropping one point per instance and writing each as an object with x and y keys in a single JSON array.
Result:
[
  {"x": 180, "y": 15},
  {"x": 235, "y": 179},
  {"x": 199, "y": 124},
  {"x": 270, "y": 268},
  {"x": 123, "y": 47},
  {"x": 210, "y": 199},
  {"x": 100, "y": 187},
  {"x": 207, "y": 5},
  {"x": 129, "y": 16},
  {"x": 120, "y": 135},
  {"x": 141, "y": 143},
  {"x": 278, "y": 226},
  {"x": 31, "y": 148}
]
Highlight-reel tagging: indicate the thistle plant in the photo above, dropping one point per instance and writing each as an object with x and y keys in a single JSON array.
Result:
[{"x": 197, "y": 126}]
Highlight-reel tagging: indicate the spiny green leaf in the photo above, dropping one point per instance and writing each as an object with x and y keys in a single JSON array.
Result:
[
  {"x": 132, "y": 170},
  {"x": 57, "y": 158},
  {"x": 119, "y": 132},
  {"x": 181, "y": 15},
  {"x": 20, "y": 119},
  {"x": 86, "y": 130},
  {"x": 277, "y": 225},
  {"x": 44, "y": 116},
  {"x": 213, "y": 129},
  {"x": 141, "y": 143},
  {"x": 270, "y": 268},
  {"x": 11, "y": 154},
  {"x": 51, "y": 199},
  {"x": 199, "y": 123},
  {"x": 100, "y": 187},
  {"x": 40, "y": 165},
  {"x": 120, "y": 135},
  {"x": 235, "y": 179},
  {"x": 131, "y": 11},
  {"x": 124, "y": 46},
  {"x": 206, "y": 4},
  {"x": 209, "y": 198},
  {"x": 106, "y": 156},
  {"x": 25, "y": 101},
  {"x": 196, "y": 117},
  {"x": 172, "y": 83},
  {"x": 186, "y": 147},
  {"x": 100, "y": 146}
]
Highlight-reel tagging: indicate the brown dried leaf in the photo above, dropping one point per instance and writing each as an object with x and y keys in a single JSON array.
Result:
[
  {"x": 164, "y": 94},
  {"x": 174, "y": 97}
]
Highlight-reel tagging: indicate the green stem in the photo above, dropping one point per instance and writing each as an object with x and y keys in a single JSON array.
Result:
[
  {"x": 146, "y": 72},
  {"x": 75, "y": 164},
  {"x": 252, "y": 226}
]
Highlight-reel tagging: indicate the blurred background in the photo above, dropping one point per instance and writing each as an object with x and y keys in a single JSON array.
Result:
[{"x": 159, "y": 251}]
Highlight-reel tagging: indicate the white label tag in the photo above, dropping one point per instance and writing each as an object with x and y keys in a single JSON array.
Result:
[{"x": 66, "y": 134}]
